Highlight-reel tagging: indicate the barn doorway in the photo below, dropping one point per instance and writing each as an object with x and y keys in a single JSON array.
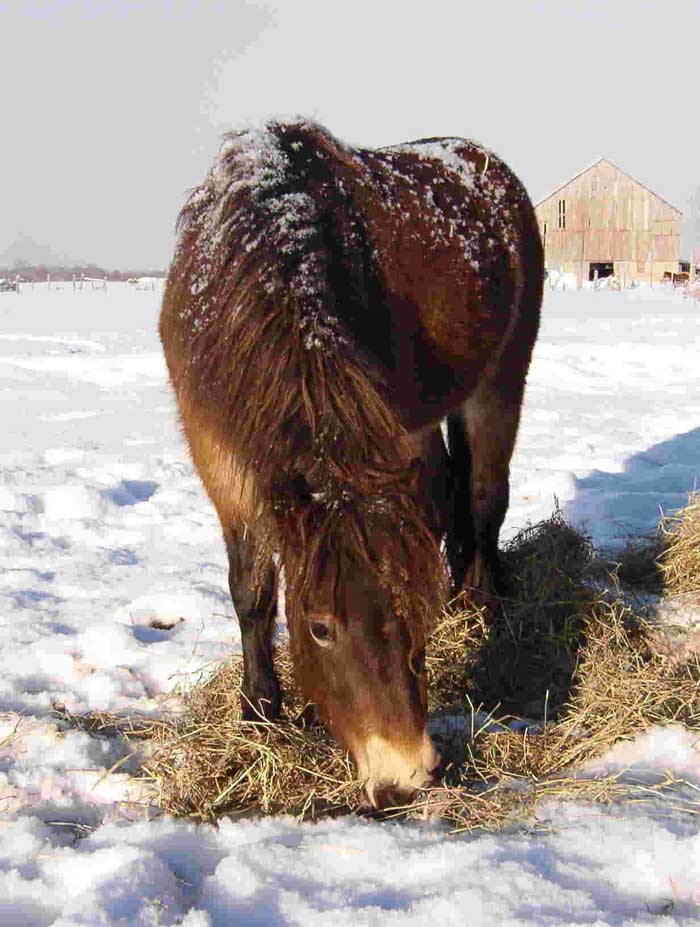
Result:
[{"x": 598, "y": 271}]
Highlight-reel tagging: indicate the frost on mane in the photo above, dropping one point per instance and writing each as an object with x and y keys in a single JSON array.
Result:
[{"x": 245, "y": 204}]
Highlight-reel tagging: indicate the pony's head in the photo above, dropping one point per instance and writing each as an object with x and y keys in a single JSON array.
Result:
[{"x": 358, "y": 602}]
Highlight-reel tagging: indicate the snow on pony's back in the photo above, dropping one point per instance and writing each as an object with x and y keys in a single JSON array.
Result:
[
  {"x": 254, "y": 169},
  {"x": 291, "y": 229}
]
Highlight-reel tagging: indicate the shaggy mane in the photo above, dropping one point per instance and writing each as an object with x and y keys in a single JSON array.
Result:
[{"x": 268, "y": 244}]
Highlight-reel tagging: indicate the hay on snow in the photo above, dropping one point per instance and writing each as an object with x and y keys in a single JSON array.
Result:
[
  {"x": 680, "y": 558},
  {"x": 518, "y": 700}
]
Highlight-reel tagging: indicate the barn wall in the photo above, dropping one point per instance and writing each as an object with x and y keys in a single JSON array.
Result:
[{"x": 609, "y": 217}]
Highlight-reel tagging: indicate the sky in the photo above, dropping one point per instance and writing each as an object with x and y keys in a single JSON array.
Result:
[{"x": 111, "y": 111}]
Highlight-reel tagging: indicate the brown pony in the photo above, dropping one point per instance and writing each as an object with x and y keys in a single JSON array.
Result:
[{"x": 326, "y": 308}]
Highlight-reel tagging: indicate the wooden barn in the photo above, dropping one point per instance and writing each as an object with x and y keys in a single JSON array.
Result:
[{"x": 602, "y": 222}]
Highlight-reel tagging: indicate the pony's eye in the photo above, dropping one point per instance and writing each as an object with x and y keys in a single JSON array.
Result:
[
  {"x": 321, "y": 633},
  {"x": 418, "y": 663}
]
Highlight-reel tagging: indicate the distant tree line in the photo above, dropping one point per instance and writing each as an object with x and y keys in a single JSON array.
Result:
[{"x": 37, "y": 273}]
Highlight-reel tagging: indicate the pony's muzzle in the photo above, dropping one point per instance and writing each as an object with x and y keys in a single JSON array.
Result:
[
  {"x": 394, "y": 774},
  {"x": 385, "y": 797}
]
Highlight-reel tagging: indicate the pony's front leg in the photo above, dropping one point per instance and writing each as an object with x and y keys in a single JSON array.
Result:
[{"x": 261, "y": 696}]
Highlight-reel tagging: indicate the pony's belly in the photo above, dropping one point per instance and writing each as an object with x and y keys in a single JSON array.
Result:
[{"x": 429, "y": 380}]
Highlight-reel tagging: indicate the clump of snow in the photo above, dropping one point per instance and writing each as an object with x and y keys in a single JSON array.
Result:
[
  {"x": 68, "y": 502},
  {"x": 657, "y": 750},
  {"x": 561, "y": 280},
  {"x": 447, "y": 151},
  {"x": 488, "y": 188}
]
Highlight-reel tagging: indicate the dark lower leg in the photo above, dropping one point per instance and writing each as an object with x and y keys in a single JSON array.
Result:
[
  {"x": 491, "y": 422},
  {"x": 436, "y": 494},
  {"x": 261, "y": 696},
  {"x": 484, "y": 572},
  {"x": 460, "y": 533}
]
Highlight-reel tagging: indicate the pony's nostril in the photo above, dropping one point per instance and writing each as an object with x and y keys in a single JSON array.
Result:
[
  {"x": 437, "y": 769},
  {"x": 391, "y": 796}
]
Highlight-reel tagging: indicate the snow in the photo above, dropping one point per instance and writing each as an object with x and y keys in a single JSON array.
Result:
[
  {"x": 447, "y": 151},
  {"x": 487, "y": 180},
  {"x": 113, "y": 590},
  {"x": 250, "y": 180},
  {"x": 612, "y": 412}
]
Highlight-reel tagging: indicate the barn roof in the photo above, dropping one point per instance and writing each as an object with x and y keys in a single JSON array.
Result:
[{"x": 612, "y": 164}]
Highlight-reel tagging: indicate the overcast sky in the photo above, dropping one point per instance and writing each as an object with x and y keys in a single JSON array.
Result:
[{"x": 111, "y": 110}]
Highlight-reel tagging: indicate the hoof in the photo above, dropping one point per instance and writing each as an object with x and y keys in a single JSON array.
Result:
[{"x": 482, "y": 585}]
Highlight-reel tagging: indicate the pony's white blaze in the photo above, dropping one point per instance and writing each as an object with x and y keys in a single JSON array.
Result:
[{"x": 381, "y": 763}]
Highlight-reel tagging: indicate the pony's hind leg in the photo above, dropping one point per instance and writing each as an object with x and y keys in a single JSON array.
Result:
[
  {"x": 490, "y": 419},
  {"x": 261, "y": 696}
]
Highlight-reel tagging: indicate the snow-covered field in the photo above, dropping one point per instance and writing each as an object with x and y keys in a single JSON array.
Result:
[{"x": 105, "y": 531}]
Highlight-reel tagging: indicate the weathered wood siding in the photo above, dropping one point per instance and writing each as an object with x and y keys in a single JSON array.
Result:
[{"x": 608, "y": 217}]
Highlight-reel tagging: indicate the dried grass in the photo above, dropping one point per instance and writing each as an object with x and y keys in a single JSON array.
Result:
[
  {"x": 208, "y": 761},
  {"x": 638, "y": 565},
  {"x": 680, "y": 560},
  {"x": 565, "y": 651},
  {"x": 622, "y": 686}
]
